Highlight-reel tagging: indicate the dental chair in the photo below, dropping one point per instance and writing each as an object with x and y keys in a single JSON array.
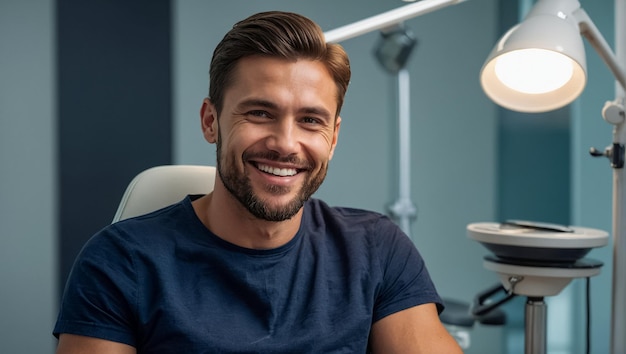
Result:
[{"x": 160, "y": 186}]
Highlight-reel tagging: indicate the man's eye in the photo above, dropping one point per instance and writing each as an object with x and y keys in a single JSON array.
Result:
[
  {"x": 310, "y": 120},
  {"x": 262, "y": 114}
]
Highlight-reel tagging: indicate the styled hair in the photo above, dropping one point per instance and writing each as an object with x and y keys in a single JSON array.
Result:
[{"x": 277, "y": 34}]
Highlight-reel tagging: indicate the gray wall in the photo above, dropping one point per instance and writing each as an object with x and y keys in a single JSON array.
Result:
[{"x": 28, "y": 269}]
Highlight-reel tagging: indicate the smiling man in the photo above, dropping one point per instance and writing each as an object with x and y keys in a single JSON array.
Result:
[
  {"x": 275, "y": 136},
  {"x": 258, "y": 266}
]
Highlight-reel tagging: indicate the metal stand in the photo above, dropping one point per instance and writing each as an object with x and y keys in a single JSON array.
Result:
[
  {"x": 535, "y": 323},
  {"x": 403, "y": 209},
  {"x": 535, "y": 280},
  {"x": 618, "y": 313},
  {"x": 613, "y": 113},
  {"x": 393, "y": 51}
]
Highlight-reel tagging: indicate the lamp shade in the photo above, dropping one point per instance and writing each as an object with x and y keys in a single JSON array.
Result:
[{"x": 538, "y": 65}]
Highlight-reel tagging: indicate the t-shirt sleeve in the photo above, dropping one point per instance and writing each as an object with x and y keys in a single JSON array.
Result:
[
  {"x": 406, "y": 282},
  {"x": 99, "y": 297}
]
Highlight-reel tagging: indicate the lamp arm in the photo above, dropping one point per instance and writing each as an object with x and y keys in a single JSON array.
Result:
[
  {"x": 386, "y": 19},
  {"x": 589, "y": 30}
]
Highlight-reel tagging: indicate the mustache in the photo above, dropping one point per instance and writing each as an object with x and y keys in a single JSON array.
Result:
[{"x": 276, "y": 157}]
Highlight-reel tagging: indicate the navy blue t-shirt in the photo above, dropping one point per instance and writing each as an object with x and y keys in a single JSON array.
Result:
[{"x": 165, "y": 284}]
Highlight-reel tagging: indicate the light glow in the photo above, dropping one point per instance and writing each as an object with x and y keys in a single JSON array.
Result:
[{"x": 534, "y": 71}]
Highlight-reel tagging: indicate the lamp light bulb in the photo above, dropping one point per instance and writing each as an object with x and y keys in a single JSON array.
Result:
[{"x": 534, "y": 71}]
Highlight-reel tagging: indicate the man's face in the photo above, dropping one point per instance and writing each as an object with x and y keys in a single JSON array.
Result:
[{"x": 276, "y": 134}]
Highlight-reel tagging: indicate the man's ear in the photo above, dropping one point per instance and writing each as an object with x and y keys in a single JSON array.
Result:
[
  {"x": 208, "y": 121},
  {"x": 335, "y": 137}
]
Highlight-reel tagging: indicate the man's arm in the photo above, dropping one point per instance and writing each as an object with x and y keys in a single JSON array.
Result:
[
  {"x": 74, "y": 344},
  {"x": 416, "y": 330}
]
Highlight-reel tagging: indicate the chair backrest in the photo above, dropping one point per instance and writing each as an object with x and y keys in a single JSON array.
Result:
[{"x": 160, "y": 186}]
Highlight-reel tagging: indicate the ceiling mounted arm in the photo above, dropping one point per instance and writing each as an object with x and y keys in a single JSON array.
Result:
[{"x": 386, "y": 19}]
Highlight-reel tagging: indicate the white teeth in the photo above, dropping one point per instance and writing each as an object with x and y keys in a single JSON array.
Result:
[{"x": 283, "y": 172}]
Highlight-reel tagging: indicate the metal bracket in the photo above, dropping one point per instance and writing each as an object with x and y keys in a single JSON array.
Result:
[{"x": 614, "y": 152}]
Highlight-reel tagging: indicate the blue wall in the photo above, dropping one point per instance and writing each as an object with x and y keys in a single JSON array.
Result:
[{"x": 114, "y": 108}]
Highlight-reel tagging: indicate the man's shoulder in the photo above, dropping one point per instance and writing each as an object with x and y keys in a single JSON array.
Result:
[
  {"x": 321, "y": 206},
  {"x": 176, "y": 212},
  {"x": 349, "y": 219},
  {"x": 148, "y": 227}
]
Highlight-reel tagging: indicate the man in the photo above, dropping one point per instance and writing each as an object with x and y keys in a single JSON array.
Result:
[{"x": 257, "y": 266}]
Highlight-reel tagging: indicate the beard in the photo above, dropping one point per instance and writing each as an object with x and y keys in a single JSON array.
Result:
[{"x": 240, "y": 186}]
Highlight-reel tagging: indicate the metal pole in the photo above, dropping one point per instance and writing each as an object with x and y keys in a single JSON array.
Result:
[
  {"x": 618, "y": 309},
  {"x": 618, "y": 320},
  {"x": 535, "y": 321},
  {"x": 403, "y": 209}
]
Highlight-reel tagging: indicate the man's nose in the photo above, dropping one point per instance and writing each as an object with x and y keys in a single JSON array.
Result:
[{"x": 284, "y": 137}]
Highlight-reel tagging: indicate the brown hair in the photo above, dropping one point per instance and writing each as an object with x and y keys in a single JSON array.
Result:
[{"x": 276, "y": 34}]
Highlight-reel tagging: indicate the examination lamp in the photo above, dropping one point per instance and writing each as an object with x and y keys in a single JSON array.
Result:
[{"x": 539, "y": 65}]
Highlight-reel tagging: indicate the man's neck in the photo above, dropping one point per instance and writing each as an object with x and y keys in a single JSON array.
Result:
[{"x": 221, "y": 213}]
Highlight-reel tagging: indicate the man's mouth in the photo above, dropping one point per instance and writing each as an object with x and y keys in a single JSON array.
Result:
[{"x": 281, "y": 172}]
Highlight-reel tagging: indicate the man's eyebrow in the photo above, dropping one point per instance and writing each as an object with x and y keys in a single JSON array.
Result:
[
  {"x": 257, "y": 102},
  {"x": 318, "y": 111}
]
